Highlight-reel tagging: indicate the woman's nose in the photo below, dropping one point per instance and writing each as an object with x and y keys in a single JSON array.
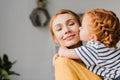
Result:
[{"x": 66, "y": 30}]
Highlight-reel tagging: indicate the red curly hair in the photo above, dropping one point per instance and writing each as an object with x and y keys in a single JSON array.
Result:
[{"x": 105, "y": 24}]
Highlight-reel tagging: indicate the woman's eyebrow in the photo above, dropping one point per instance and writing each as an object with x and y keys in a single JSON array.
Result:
[
  {"x": 57, "y": 25},
  {"x": 70, "y": 19}
]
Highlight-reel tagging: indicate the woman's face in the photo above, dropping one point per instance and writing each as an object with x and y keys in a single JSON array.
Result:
[{"x": 66, "y": 30}]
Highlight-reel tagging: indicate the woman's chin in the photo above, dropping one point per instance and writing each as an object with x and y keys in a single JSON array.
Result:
[{"x": 73, "y": 45}]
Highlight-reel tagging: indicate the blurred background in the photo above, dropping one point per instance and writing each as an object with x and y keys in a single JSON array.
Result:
[{"x": 32, "y": 46}]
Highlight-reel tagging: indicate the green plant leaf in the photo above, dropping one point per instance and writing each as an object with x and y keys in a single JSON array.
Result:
[
  {"x": 5, "y": 58},
  {"x": 13, "y": 73},
  {"x": 4, "y": 74},
  {"x": 5, "y": 66},
  {"x": 1, "y": 62}
]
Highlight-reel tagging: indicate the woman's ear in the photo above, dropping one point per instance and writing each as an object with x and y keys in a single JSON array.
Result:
[{"x": 93, "y": 37}]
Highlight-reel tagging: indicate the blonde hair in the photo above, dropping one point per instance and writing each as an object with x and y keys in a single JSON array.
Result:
[
  {"x": 105, "y": 24},
  {"x": 62, "y": 11}
]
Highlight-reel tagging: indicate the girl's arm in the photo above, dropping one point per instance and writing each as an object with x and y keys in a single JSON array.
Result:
[{"x": 69, "y": 53}]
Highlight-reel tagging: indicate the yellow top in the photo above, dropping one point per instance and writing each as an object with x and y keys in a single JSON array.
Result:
[{"x": 69, "y": 69}]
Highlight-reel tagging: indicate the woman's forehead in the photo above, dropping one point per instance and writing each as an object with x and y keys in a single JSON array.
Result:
[{"x": 62, "y": 18}]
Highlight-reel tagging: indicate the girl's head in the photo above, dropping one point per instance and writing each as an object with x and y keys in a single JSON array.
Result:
[
  {"x": 103, "y": 25},
  {"x": 64, "y": 28}
]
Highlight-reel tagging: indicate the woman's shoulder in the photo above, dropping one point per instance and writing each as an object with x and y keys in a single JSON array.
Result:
[{"x": 64, "y": 60}]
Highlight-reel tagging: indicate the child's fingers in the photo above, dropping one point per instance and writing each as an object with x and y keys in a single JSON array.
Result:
[{"x": 55, "y": 57}]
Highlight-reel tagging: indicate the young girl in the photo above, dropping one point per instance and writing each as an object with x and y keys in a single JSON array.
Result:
[{"x": 101, "y": 28}]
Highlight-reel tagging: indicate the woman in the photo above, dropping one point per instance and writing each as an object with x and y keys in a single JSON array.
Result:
[{"x": 64, "y": 27}]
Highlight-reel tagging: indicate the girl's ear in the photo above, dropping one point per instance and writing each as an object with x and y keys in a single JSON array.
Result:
[{"x": 93, "y": 37}]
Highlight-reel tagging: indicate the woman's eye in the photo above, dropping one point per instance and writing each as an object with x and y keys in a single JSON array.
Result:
[
  {"x": 71, "y": 23},
  {"x": 59, "y": 28}
]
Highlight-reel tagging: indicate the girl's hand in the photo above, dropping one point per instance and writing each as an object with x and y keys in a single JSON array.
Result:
[
  {"x": 54, "y": 58},
  {"x": 62, "y": 51},
  {"x": 69, "y": 53}
]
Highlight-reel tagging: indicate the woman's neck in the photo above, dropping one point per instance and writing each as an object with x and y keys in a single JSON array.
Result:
[{"x": 76, "y": 45}]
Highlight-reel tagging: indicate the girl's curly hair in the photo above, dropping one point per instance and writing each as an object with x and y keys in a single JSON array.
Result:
[{"x": 105, "y": 24}]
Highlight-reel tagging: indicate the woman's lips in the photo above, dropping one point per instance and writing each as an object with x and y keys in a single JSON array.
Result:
[{"x": 69, "y": 37}]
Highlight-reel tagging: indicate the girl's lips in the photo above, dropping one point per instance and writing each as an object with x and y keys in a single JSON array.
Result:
[{"x": 69, "y": 37}]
